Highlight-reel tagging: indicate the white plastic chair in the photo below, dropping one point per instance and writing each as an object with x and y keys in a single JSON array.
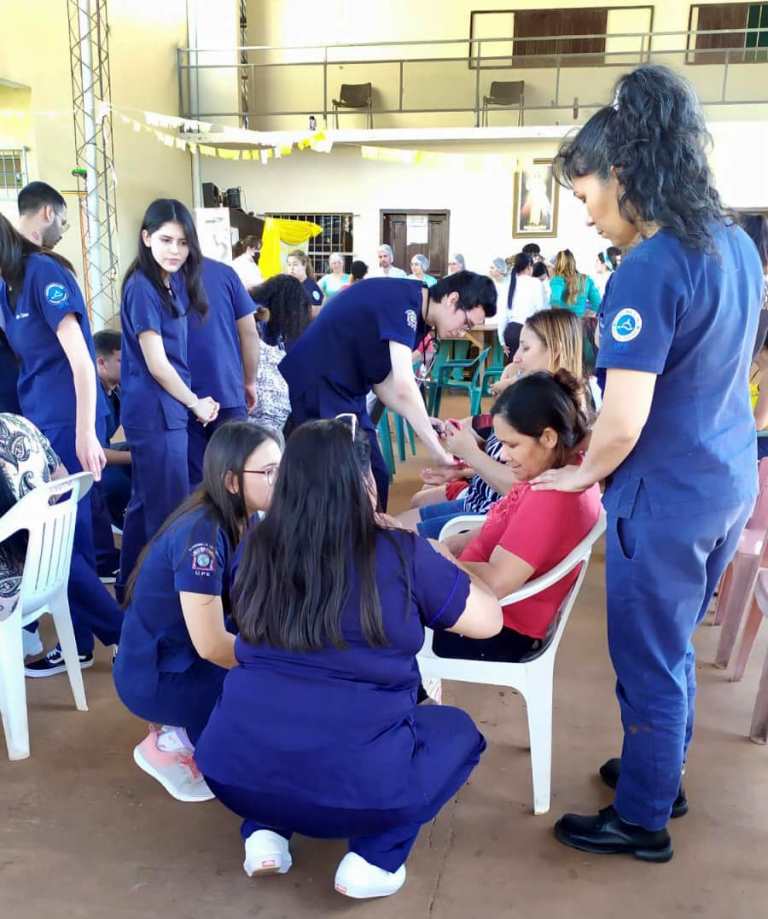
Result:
[
  {"x": 532, "y": 678},
  {"x": 43, "y": 590}
]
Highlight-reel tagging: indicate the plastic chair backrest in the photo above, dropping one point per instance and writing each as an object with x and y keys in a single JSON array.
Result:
[
  {"x": 759, "y": 518},
  {"x": 507, "y": 93},
  {"x": 51, "y": 529},
  {"x": 479, "y": 366},
  {"x": 356, "y": 95}
]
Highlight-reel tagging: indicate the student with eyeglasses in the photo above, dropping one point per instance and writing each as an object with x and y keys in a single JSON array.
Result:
[
  {"x": 175, "y": 648},
  {"x": 318, "y": 730},
  {"x": 363, "y": 341}
]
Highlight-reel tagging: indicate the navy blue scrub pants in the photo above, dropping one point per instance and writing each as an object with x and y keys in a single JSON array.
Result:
[
  {"x": 182, "y": 700},
  {"x": 159, "y": 483},
  {"x": 660, "y": 577},
  {"x": 93, "y": 609},
  {"x": 383, "y": 838},
  {"x": 199, "y": 436},
  {"x": 322, "y": 402}
]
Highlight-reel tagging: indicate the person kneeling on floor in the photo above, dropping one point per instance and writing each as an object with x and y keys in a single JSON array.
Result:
[
  {"x": 318, "y": 730},
  {"x": 175, "y": 648},
  {"x": 540, "y": 423}
]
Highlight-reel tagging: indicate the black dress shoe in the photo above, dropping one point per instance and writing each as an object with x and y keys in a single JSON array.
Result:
[
  {"x": 607, "y": 834},
  {"x": 610, "y": 771}
]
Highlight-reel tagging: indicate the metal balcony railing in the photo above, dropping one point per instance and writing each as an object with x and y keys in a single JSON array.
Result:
[{"x": 417, "y": 80}]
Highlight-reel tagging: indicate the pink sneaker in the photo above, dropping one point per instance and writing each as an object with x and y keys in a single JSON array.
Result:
[{"x": 175, "y": 771}]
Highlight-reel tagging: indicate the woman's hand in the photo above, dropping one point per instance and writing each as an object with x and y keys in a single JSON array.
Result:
[
  {"x": 461, "y": 441},
  {"x": 442, "y": 474},
  {"x": 90, "y": 453},
  {"x": 205, "y": 410},
  {"x": 388, "y": 522},
  {"x": 568, "y": 478}
]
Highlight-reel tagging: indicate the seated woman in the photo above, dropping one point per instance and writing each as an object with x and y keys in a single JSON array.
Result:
[
  {"x": 318, "y": 731},
  {"x": 540, "y": 424},
  {"x": 550, "y": 340},
  {"x": 27, "y": 461},
  {"x": 175, "y": 648}
]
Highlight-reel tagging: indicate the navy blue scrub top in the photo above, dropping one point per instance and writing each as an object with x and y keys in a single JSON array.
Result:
[
  {"x": 689, "y": 317},
  {"x": 348, "y": 711},
  {"x": 312, "y": 291},
  {"x": 145, "y": 405},
  {"x": 46, "y": 387},
  {"x": 215, "y": 360},
  {"x": 193, "y": 556},
  {"x": 346, "y": 348},
  {"x": 113, "y": 414}
]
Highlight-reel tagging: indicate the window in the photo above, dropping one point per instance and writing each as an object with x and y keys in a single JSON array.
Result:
[
  {"x": 12, "y": 173},
  {"x": 535, "y": 36},
  {"x": 336, "y": 237},
  {"x": 731, "y": 20}
]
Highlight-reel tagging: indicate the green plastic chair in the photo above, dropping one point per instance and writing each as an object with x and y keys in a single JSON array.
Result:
[
  {"x": 401, "y": 426},
  {"x": 495, "y": 367},
  {"x": 385, "y": 441},
  {"x": 473, "y": 387}
]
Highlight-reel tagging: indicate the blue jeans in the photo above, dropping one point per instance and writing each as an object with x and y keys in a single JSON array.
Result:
[{"x": 435, "y": 516}]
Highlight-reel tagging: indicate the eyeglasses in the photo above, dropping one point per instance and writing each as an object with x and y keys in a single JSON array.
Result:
[
  {"x": 468, "y": 323},
  {"x": 348, "y": 420},
  {"x": 269, "y": 474}
]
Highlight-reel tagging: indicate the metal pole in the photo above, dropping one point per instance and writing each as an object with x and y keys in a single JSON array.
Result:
[
  {"x": 725, "y": 74},
  {"x": 401, "y": 85},
  {"x": 477, "y": 81},
  {"x": 325, "y": 86},
  {"x": 557, "y": 80},
  {"x": 90, "y": 155},
  {"x": 197, "y": 188}
]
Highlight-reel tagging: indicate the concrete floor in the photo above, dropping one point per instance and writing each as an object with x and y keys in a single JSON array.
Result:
[{"x": 86, "y": 835}]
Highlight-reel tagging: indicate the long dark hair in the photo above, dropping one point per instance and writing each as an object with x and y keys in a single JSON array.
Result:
[
  {"x": 545, "y": 400},
  {"x": 289, "y": 309},
  {"x": 294, "y": 578},
  {"x": 14, "y": 250},
  {"x": 522, "y": 261},
  {"x": 168, "y": 210},
  {"x": 756, "y": 227},
  {"x": 227, "y": 452},
  {"x": 655, "y": 138}
]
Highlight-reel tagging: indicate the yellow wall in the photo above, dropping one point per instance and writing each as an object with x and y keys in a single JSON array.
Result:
[
  {"x": 450, "y": 84},
  {"x": 143, "y": 39}
]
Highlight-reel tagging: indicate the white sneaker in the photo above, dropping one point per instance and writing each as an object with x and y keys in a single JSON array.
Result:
[
  {"x": 31, "y": 643},
  {"x": 174, "y": 770},
  {"x": 358, "y": 879},
  {"x": 266, "y": 853}
]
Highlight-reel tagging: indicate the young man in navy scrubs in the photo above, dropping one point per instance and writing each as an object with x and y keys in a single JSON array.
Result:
[
  {"x": 223, "y": 356},
  {"x": 363, "y": 340}
]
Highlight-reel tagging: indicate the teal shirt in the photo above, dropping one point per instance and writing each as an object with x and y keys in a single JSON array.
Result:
[
  {"x": 427, "y": 279},
  {"x": 589, "y": 296}
]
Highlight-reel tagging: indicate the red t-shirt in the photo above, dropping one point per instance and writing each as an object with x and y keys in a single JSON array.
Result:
[{"x": 541, "y": 528}]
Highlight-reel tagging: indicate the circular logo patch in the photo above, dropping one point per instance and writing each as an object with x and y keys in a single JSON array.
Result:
[
  {"x": 626, "y": 325},
  {"x": 56, "y": 294},
  {"x": 410, "y": 318}
]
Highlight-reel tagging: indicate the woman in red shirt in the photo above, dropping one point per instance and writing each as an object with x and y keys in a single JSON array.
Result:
[{"x": 540, "y": 421}]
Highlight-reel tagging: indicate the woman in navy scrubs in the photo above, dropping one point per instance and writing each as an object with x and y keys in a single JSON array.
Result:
[
  {"x": 223, "y": 356},
  {"x": 175, "y": 648},
  {"x": 46, "y": 325},
  {"x": 317, "y": 730},
  {"x": 675, "y": 439},
  {"x": 160, "y": 288},
  {"x": 363, "y": 340}
]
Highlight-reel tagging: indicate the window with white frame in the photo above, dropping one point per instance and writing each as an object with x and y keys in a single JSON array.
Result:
[
  {"x": 12, "y": 173},
  {"x": 337, "y": 236}
]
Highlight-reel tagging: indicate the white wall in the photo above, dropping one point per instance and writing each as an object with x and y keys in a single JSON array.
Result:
[{"x": 480, "y": 200}]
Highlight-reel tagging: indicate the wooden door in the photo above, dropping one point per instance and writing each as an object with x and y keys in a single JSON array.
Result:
[{"x": 395, "y": 231}]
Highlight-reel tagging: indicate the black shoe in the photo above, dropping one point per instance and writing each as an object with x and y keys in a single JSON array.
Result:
[
  {"x": 607, "y": 834},
  {"x": 610, "y": 771},
  {"x": 53, "y": 664}
]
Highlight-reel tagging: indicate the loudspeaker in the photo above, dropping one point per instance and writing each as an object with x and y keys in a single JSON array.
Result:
[
  {"x": 232, "y": 197},
  {"x": 211, "y": 195}
]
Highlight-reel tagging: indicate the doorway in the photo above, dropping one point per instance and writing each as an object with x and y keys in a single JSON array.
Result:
[{"x": 412, "y": 232}]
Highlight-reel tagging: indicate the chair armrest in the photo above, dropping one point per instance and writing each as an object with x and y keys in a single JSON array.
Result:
[{"x": 461, "y": 525}]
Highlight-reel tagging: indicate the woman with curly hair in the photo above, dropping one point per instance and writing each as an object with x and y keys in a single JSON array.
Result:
[{"x": 675, "y": 438}]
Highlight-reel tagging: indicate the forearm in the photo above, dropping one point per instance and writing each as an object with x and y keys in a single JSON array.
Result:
[
  {"x": 406, "y": 401},
  {"x": 610, "y": 444},
  {"x": 166, "y": 376},
  {"x": 84, "y": 377},
  {"x": 250, "y": 349},
  {"x": 117, "y": 457},
  {"x": 222, "y": 651},
  {"x": 495, "y": 581}
]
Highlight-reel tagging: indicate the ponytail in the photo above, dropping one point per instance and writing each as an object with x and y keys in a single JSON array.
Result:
[{"x": 654, "y": 138}]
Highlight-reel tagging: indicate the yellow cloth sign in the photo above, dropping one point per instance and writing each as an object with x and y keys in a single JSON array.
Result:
[{"x": 281, "y": 230}]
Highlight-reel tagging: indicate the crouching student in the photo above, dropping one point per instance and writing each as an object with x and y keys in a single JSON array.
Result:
[
  {"x": 175, "y": 649},
  {"x": 540, "y": 422},
  {"x": 331, "y": 608}
]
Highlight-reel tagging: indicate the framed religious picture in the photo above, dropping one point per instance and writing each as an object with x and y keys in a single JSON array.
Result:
[{"x": 535, "y": 200}]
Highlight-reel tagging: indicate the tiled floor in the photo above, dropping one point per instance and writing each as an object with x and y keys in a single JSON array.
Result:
[{"x": 83, "y": 833}]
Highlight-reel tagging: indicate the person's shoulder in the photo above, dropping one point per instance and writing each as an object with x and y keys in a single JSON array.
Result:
[
  {"x": 40, "y": 264},
  {"x": 196, "y": 525},
  {"x": 216, "y": 270},
  {"x": 138, "y": 283}
]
